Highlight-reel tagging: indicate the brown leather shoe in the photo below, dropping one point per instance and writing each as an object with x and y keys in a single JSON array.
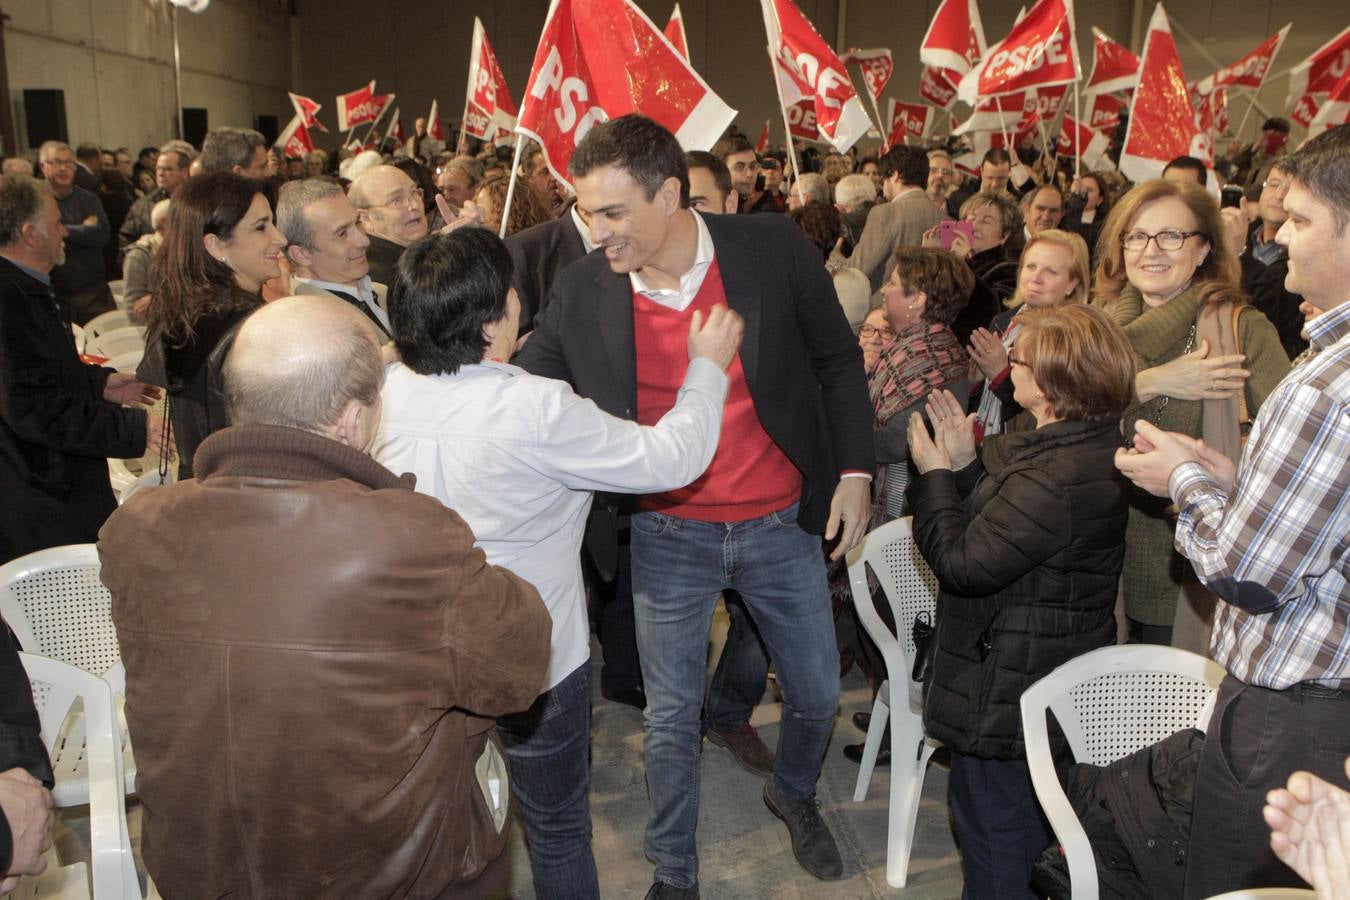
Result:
[{"x": 744, "y": 743}]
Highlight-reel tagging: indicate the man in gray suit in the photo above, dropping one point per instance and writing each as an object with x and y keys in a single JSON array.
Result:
[
  {"x": 901, "y": 221},
  {"x": 326, "y": 247}
]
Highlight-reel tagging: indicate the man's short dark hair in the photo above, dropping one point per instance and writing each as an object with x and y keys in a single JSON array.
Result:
[
  {"x": 910, "y": 162},
  {"x": 639, "y": 146},
  {"x": 228, "y": 147},
  {"x": 1322, "y": 165},
  {"x": 446, "y": 289},
  {"x": 89, "y": 152},
  {"x": 1189, "y": 164},
  {"x": 702, "y": 159},
  {"x": 1276, "y": 123},
  {"x": 734, "y": 144},
  {"x": 996, "y": 156}
]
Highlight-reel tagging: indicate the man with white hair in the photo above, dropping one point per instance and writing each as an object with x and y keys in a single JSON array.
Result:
[
  {"x": 298, "y": 615},
  {"x": 242, "y": 151},
  {"x": 942, "y": 177},
  {"x": 392, "y": 214},
  {"x": 459, "y": 181},
  {"x": 327, "y": 247},
  {"x": 854, "y": 197},
  {"x": 137, "y": 281},
  {"x": 810, "y": 188}
]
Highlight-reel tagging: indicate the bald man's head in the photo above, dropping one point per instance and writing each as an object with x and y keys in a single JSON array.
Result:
[
  {"x": 311, "y": 363},
  {"x": 390, "y": 205}
]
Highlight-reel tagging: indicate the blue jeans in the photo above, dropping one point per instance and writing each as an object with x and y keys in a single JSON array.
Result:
[
  {"x": 548, "y": 746},
  {"x": 742, "y": 671},
  {"x": 679, "y": 568}
]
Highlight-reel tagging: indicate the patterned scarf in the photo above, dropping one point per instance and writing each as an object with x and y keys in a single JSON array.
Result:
[{"x": 922, "y": 358}]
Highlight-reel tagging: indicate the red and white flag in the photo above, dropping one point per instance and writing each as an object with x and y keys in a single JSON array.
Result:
[
  {"x": 763, "y": 143},
  {"x": 1250, "y": 71},
  {"x": 308, "y": 111},
  {"x": 877, "y": 68},
  {"x": 1319, "y": 73},
  {"x": 909, "y": 122},
  {"x": 599, "y": 59},
  {"x": 1075, "y": 137},
  {"x": 1114, "y": 67},
  {"x": 1305, "y": 110},
  {"x": 807, "y": 68},
  {"x": 357, "y": 107},
  {"x": 1039, "y": 51},
  {"x": 1005, "y": 112},
  {"x": 1049, "y": 102},
  {"x": 1335, "y": 110},
  {"x": 955, "y": 37},
  {"x": 1104, "y": 114},
  {"x": 801, "y": 119},
  {"x": 938, "y": 86},
  {"x": 395, "y": 127},
  {"x": 675, "y": 32},
  {"x": 1162, "y": 120},
  {"x": 1211, "y": 111},
  {"x": 435, "y": 130},
  {"x": 295, "y": 141},
  {"x": 489, "y": 108}
]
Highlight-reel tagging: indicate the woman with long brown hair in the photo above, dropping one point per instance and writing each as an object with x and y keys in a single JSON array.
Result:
[
  {"x": 1171, "y": 280},
  {"x": 221, "y": 246}
]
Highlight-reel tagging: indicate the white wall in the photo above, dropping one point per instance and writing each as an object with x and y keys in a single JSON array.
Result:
[{"x": 114, "y": 61}]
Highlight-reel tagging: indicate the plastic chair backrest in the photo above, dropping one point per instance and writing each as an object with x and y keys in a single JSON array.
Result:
[
  {"x": 909, "y": 585},
  {"x": 105, "y": 322},
  {"x": 126, "y": 362},
  {"x": 1109, "y": 703},
  {"x": 114, "y": 869},
  {"x": 57, "y": 607},
  {"x": 116, "y": 342}
]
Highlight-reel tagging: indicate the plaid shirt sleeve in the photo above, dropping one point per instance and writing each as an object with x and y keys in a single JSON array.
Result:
[{"x": 1257, "y": 548}]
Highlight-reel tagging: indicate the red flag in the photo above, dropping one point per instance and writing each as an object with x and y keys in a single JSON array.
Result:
[
  {"x": 876, "y": 66},
  {"x": 307, "y": 110},
  {"x": 801, "y": 118},
  {"x": 806, "y": 67},
  {"x": 1335, "y": 110},
  {"x": 395, "y": 127},
  {"x": 763, "y": 143},
  {"x": 675, "y": 32},
  {"x": 599, "y": 59},
  {"x": 909, "y": 123},
  {"x": 1049, "y": 101},
  {"x": 938, "y": 86},
  {"x": 295, "y": 141},
  {"x": 1075, "y": 137},
  {"x": 1038, "y": 51},
  {"x": 357, "y": 107},
  {"x": 955, "y": 37},
  {"x": 1006, "y": 112},
  {"x": 1162, "y": 121},
  {"x": 435, "y": 130},
  {"x": 489, "y": 107},
  {"x": 1114, "y": 67},
  {"x": 1319, "y": 73},
  {"x": 1105, "y": 112},
  {"x": 1250, "y": 71},
  {"x": 1305, "y": 110}
]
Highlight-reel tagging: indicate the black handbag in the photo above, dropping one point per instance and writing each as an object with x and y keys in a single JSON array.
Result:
[{"x": 924, "y": 648}]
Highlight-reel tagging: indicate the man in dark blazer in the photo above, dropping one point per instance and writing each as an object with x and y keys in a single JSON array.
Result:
[
  {"x": 796, "y": 433},
  {"x": 60, "y": 419},
  {"x": 539, "y": 253}
]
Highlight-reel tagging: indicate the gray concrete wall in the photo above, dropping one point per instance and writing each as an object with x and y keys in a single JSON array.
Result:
[{"x": 114, "y": 61}]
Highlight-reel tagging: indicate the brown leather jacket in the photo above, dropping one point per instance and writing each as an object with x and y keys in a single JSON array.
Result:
[{"x": 314, "y": 657}]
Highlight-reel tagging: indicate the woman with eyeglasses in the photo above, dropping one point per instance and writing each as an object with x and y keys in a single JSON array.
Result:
[
  {"x": 1164, "y": 261},
  {"x": 221, "y": 245}
]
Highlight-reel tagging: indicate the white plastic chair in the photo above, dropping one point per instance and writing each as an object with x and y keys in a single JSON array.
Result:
[
  {"x": 1283, "y": 893},
  {"x": 126, "y": 362},
  {"x": 117, "y": 287},
  {"x": 78, "y": 332},
  {"x": 58, "y": 608},
  {"x": 57, "y": 686},
  {"x": 116, "y": 342},
  {"x": 108, "y": 321},
  {"x": 1109, "y": 703},
  {"x": 910, "y": 588}
]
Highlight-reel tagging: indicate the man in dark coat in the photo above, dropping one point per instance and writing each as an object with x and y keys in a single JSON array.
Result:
[
  {"x": 60, "y": 419},
  {"x": 79, "y": 279},
  {"x": 25, "y": 774}
]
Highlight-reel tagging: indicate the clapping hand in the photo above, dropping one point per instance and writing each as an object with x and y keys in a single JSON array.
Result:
[
  {"x": 123, "y": 388},
  {"x": 953, "y": 430},
  {"x": 923, "y": 452},
  {"x": 988, "y": 352},
  {"x": 1309, "y": 823}
]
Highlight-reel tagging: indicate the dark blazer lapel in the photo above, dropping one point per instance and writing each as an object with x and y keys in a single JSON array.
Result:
[
  {"x": 614, "y": 310},
  {"x": 739, "y": 262}
]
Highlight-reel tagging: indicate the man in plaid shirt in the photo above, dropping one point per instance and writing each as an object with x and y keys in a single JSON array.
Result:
[{"x": 1270, "y": 538}]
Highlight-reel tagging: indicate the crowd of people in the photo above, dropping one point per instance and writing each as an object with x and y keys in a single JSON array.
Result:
[{"x": 417, "y": 465}]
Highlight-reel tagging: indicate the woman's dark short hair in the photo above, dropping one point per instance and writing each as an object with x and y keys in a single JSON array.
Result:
[
  {"x": 1080, "y": 358},
  {"x": 639, "y": 146},
  {"x": 940, "y": 274},
  {"x": 446, "y": 289},
  {"x": 821, "y": 223}
]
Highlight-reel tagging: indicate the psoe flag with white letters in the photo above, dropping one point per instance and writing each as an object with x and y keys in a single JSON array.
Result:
[
  {"x": 1039, "y": 51},
  {"x": 600, "y": 59},
  {"x": 807, "y": 68},
  {"x": 1162, "y": 120}
]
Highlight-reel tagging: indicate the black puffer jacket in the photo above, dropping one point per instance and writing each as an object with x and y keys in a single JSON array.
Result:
[{"x": 1027, "y": 544}]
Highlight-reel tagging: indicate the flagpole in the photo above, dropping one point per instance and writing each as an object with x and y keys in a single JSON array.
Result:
[
  {"x": 885, "y": 135},
  {"x": 787, "y": 126},
  {"x": 510, "y": 185},
  {"x": 1078, "y": 121},
  {"x": 377, "y": 119}
]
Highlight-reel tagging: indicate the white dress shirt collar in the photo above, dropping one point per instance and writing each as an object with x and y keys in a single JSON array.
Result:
[{"x": 690, "y": 282}]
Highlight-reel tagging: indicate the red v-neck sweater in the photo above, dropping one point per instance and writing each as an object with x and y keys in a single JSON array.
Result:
[{"x": 749, "y": 476}]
